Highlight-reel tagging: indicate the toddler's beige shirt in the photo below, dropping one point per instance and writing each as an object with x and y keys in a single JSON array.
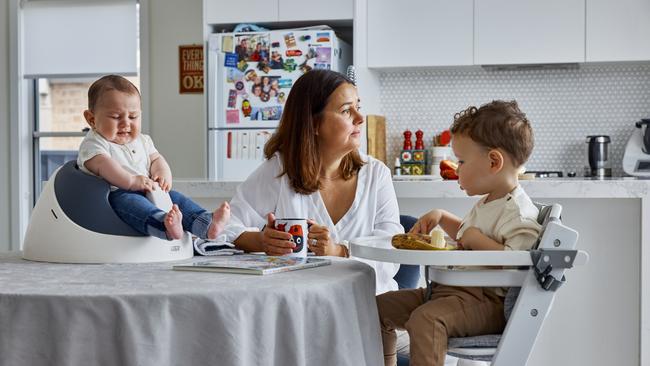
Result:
[{"x": 510, "y": 220}]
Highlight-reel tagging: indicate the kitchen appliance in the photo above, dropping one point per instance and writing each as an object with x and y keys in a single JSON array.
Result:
[
  {"x": 636, "y": 159},
  {"x": 249, "y": 78},
  {"x": 598, "y": 162}
]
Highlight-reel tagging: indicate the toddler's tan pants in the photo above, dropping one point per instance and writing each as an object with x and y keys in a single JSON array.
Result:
[{"x": 450, "y": 312}]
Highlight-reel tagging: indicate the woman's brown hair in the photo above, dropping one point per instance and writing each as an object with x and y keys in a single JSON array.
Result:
[{"x": 295, "y": 138}]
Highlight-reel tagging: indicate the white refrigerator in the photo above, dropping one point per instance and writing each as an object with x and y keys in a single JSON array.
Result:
[{"x": 249, "y": 78}]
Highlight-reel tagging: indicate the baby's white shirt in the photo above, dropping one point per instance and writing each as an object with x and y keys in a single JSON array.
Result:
[
  {"x": 133, "y": 156},
  {"x": 510, "y": 220}
]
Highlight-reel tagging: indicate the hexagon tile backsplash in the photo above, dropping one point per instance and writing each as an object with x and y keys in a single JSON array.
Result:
[{"x": 564, "y": 105}]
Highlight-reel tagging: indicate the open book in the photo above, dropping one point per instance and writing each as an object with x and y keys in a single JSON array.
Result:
[{"x": 252, "y": 264}]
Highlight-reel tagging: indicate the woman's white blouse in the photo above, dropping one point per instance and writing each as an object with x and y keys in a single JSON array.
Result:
[{"x": 373, "y": 212}]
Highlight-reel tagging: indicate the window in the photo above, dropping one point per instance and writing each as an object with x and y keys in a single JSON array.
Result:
[
  {"x": 58, "y": 123},
  {"x": 61, "y": 64}
]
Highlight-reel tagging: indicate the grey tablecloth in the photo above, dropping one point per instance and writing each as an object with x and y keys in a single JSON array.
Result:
[{"x": 148, "y": 314}]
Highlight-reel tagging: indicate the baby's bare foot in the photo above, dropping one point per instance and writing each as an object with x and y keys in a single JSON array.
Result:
[
  {"x": 174, "y": 223},
  {"x": 220, "y": 218}
]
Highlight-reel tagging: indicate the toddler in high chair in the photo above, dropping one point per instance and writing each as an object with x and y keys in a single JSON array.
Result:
[
  {"x": 115, "y": 150},
  {"x": 491, "y": 144}
]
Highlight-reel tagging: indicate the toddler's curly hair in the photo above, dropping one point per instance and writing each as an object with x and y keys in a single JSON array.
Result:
[{"x": 499, "y": 124}]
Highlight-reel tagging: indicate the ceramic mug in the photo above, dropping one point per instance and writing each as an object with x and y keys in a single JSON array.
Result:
[{"x": 298, "y": 229}]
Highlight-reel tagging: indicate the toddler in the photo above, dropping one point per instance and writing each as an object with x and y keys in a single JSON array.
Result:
[
  {"x": 115, "y": 150},
  {"x": 491, "y": 143}
]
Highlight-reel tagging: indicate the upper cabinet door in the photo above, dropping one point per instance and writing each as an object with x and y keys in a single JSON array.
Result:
[
  {"x": 240, "y": 11},
  {"x": 529, "y": 31},
  {"x": 304, "y": 10},
  {"x": 419, "y": 33},
  {"x": 618, "y": 30}
]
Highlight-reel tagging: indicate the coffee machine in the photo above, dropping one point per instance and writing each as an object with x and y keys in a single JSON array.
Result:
[
  {"x": 598, "y": 164},
  {"x": 636, "y": 159}
]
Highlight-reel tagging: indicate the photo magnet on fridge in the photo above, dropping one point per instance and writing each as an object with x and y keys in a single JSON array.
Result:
[{"x": 290, "y": 40}]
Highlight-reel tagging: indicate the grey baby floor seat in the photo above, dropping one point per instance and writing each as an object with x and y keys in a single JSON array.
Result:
[{"x": 73, "y": 222}]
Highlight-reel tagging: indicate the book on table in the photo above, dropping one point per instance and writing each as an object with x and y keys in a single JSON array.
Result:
[{"x": 252, "y": 264}]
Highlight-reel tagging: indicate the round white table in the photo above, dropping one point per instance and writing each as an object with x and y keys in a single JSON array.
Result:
[{"x": 148, "y": 314}]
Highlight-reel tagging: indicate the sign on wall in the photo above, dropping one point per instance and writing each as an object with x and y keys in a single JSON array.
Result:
[{"x": 190, "y": 69}]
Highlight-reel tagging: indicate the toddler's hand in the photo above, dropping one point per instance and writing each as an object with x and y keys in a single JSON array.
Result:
[
  {"x": 142, "y": 183},
  {"x": 470, "y": 236},
  {"x": 164, "y": 182},
  {"x": 427, "y": 222}
]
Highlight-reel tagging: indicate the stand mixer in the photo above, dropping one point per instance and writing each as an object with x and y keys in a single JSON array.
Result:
[{"x": 636, "y": 159}]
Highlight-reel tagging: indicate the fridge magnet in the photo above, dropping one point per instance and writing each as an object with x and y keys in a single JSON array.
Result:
[
  {"x": 232, "y": 116},
  {"x": 290, "y": 65},
  {"x": 276, "y": 61},
  {"x": 271, "y": 113},
  {"x": 324, "y": 55},
  {"x": 275, "y": 44},
  {"x": 281, "y": 98},
  {"x": 252, "y": 47},
  {"x": 304, "y": 67},
  {"x": 239, "y": 86},
  {"x": 255, "y": 114},
  {"x": 226, "y": 44},
  {"x": 251, "y": 75},
  {"x": 231, "y": 60},
  {"x": 322, "y": 66},
  {"x": 293, "y": 53},
  {"x": 245, "y": 108},
  {"x": 256, "y": 90},
  {"x": 261, "y": 53},
  {"x": 311, "y": 53},
  {"x": 264, "y": 97},
  {"x": 242, "y": 65},
  {"x": 233, "y": 75},
  {"x": 289, "y": 40},
  {"x": 232, "y": 98},
  {"x": 305, "y": 37},
  {"x": 285, "y": 83},
  {"x": 263, "y": 66},
  {"x": 323, "y": 37},
  {"x": 190, "y": 64}
]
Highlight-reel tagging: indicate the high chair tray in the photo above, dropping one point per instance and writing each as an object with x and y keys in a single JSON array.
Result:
[{"x": 375, "y": 248}]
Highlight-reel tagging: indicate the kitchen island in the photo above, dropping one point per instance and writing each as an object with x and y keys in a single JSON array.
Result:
[{"x": 602, "y": 314}]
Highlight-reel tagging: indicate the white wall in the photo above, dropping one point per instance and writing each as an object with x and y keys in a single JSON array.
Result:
[
  {"x": 177, "y": 123},
  {"x": 4, "y": 126}
]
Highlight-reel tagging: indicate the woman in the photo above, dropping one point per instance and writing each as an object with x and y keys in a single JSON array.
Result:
[{"x": 314, "y": 170}]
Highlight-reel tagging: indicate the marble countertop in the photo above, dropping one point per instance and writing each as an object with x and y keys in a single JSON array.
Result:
[{"x": 541, "y": 187}]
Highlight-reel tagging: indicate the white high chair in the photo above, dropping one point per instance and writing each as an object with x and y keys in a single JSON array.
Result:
[{"x": 538, "y": 275}]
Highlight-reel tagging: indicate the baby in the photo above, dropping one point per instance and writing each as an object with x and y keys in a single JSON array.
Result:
[
  {"x": 115, "y": 150},
  {"x": 491, "y": 143}
]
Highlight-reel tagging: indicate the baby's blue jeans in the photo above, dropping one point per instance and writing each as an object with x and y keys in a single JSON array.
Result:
[{"x": 136, "y": 210}]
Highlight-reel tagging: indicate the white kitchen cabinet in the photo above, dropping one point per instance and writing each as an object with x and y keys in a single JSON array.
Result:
[
  {"x": 419, "y": 33},
  {"x": 269, "y": 11},
  {"x": 304, "y": 10},
  {"x": 618, "y": 30},
  {"x": 241, "y": 11},
  {"x": 529, "y": 31}
]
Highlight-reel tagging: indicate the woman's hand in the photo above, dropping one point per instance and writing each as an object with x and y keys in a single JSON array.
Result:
[
  {"x": 276, "y": 242},
  {"x": 320, "y": 243},
  {"x": 427, "y": 222}
]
